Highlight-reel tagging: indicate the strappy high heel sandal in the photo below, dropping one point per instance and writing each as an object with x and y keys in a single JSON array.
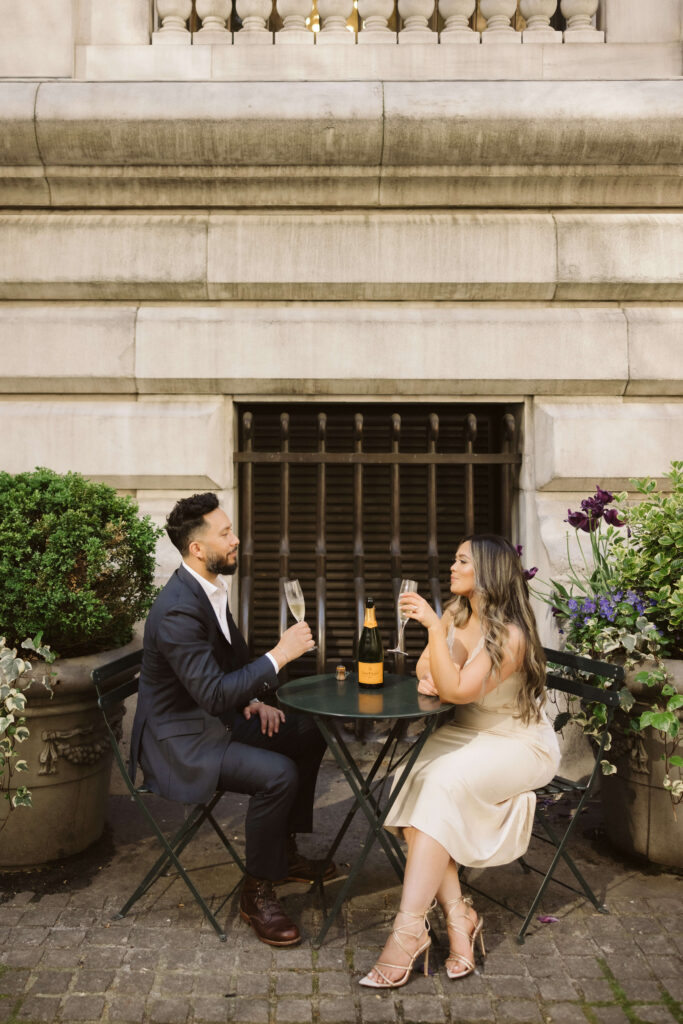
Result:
[
  {"x": 402, "y": 930},
  {"x": 457, "y": 959}
]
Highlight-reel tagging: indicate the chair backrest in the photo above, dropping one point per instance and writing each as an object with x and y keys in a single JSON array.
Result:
[
  {"x": 570, "y": 682},
  {"x": 111, "y": 699},
  {"x": 119, "y": 668}
]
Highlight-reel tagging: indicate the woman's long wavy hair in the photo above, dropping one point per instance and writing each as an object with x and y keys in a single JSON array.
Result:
[{"x": 503, "y": 599}]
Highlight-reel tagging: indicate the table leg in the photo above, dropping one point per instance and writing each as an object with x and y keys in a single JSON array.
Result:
[{"x": 365, "y": 801}]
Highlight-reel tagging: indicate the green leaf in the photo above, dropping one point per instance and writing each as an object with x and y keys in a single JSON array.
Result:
[
  {"x": 676, "y": 760},
  {"x": 608, "y": 768},
  {"x": 626, "y": 699},
  {"x": 675, "y": 702},
  {"x": 663, "y": 720}
]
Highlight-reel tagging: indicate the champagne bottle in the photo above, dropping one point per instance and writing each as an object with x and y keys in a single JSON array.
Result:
[{"x": 370, "y": 651}]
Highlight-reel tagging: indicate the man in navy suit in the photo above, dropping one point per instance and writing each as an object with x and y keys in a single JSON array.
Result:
[{"x": 200, "y": 724}]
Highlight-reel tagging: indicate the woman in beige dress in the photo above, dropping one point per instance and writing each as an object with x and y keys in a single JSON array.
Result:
[{"x": 469, "y": 799}]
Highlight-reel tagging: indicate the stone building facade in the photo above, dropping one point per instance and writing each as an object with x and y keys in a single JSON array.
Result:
[{"x": 194, "y": 218}]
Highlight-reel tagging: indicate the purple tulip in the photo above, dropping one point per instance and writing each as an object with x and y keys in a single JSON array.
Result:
[
  {"x": 611, "y": 516},
  {"x": 519, "y": 549},
  {"x": 530, "y": 573},
  {"x": 578, "y": 520},
  {"x": 604, "y": 497}
]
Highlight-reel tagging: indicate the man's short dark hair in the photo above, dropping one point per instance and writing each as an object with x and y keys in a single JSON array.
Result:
[{"x": 187, "y": 516}]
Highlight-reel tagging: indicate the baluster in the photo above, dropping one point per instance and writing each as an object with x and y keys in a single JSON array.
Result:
[
  {"x": 579, "y": 15},
  {"x": 173, "y": 15},
  {"x": 415, "y": 15},
  {"x": 333, "y": 18},
  {"x": 214, "y": 15},
  {"x": 294, "y": 14},
  {"x": 375, "y": 14},
  {"x": 457, "y": 14},
  {"x": 254, "y": 14},
  {"x": 498, "y": 14},
  {"x": 537, "y": 14}
]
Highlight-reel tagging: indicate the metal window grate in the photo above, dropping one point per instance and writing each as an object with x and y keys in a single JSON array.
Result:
[{"x": 351, "y": 499}]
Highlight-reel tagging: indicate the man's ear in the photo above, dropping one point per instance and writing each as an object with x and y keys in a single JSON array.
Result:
[{"x": 196, "y": 550}]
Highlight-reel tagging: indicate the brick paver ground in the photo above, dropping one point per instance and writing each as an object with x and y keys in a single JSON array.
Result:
[{"x": 63, "y": 959}]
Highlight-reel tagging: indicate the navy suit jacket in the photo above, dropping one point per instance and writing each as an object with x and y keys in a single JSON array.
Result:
[{"x": 192, "y": 683}]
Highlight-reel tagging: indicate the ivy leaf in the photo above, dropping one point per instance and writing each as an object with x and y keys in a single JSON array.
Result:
[
  {"x": 626, "y": 699},
  {"x": 607, "y": 768},
  {"x": 675, "y": 702},
  {"x": 561, "y": 720},
  {"x": 676, "y": 760}
]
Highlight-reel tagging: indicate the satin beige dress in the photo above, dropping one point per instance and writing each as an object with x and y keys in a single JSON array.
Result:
[{"x": 472, "y": 786}]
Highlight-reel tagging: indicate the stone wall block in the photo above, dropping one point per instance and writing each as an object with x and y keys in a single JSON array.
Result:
[
  {"x": 339, "y": 347},
  {"x": 381, "y": 256},
  {"x": 628, "y": 255},
  {"x": 655, "y": 351},
  {"x": 67, "y": 349},
  {"x": 579, "y": 444},
  {"x": 215, "y": 123},
  {"x": 533, "y": 123},
  {"x": 123, "y": 23},
  {"x": 17, "y": 130},
  {"x": 36, "y": 39},
  {"x": 153, "y": 442},
  {"x": 632, "y": 21},
  {"x": 102, "y": 255}
]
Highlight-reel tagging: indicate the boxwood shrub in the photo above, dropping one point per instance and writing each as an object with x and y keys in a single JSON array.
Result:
[{"x": 76, "y": 562}]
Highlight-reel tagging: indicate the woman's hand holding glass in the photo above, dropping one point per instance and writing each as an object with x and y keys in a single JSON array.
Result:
[{"x": 415, "y": 607}]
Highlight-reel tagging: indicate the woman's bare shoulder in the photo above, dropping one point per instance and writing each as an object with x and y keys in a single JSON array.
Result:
[{"x": 515, "y": 642}]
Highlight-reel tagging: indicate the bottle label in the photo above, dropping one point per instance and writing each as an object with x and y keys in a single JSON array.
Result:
[{"x": 370, "y": 673}]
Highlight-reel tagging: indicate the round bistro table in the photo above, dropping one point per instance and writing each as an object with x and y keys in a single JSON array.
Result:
[{"x": 329, "y": 702}]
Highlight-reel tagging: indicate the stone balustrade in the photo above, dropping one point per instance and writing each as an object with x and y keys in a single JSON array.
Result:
[{"x": 376, "y": 21}]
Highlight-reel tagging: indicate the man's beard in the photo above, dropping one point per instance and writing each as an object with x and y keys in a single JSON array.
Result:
[{"x": 220, "y": 566}]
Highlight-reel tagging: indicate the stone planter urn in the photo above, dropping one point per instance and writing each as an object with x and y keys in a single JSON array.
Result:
[
  {"x": 638, "y": 812},
  {"x": 69, "y": 764}
]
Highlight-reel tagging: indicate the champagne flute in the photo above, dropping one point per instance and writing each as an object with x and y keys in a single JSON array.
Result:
[
  {"x": 296, "y": 601},
  {"x": 407, "y": 587}
]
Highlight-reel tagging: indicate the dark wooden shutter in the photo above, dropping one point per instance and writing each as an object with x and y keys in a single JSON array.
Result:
[{"x": 272, "y": 437}]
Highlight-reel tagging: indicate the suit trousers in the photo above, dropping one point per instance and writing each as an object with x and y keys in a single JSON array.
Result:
[{"x": 279, "y": 773}]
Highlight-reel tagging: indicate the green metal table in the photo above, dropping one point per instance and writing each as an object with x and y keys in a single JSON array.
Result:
[{"x": 330, "y": 701}]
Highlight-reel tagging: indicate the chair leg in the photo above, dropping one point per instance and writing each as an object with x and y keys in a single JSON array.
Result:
[
  {"x": 170, "y": 855},
  {"x": 559, "y": 852}
]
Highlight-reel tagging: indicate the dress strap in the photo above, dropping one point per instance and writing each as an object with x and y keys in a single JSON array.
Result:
[{"x": 475, "y": 651}]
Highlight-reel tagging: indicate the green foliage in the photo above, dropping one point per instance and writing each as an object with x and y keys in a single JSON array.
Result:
[
  {"x": 623, "y": 602},
  {"x": 15, "y": 678},
  {"x": 76, "y": 562},
  {"x": 652, "y": 557}
]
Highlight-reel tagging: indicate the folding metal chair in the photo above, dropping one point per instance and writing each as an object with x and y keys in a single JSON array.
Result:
[
  {"x": 566, "y": 676},
  {"x": 110, "y": 697}
]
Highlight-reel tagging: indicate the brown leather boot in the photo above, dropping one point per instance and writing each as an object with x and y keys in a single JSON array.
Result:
[{"x": 260, "y": 907}]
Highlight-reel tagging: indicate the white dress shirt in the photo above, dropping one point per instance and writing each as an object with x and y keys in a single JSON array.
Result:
[{"x": 218, "y": 596}]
